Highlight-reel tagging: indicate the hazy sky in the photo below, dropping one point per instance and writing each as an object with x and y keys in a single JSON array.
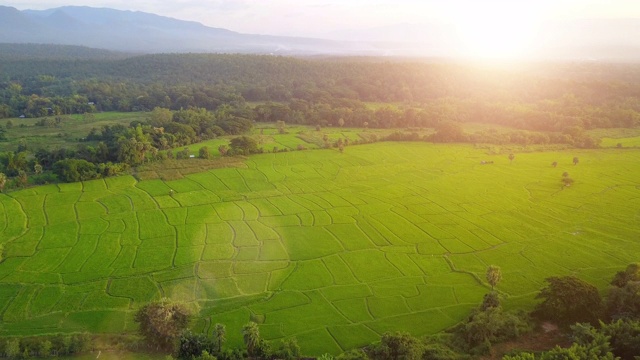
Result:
[{"x": 319, "y": 17}]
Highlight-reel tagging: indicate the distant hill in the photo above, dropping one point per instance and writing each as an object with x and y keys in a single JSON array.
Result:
[
  {"x": 16, "y": 52},
  {"x": 139, "y": 32}
]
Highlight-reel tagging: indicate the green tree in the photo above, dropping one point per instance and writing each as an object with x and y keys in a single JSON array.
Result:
[
  {"x": 624, "y": 337},
  {"x": 160, "y": 117},
  {"x": 192, "y": 345},
  {"x": 511, "y": 157},
  {"x": 567, "y": 181},
  {"x": 251, "y": 337},
  {"x": 568, "y": 300},
  {"x": 22, "y": 178},
  {"x": 631, "y": 273},
  {"x": 493, "y": 275},
  {"x": 3, "y": 181},
  {"x": 243, "y": 145},
  {"x": 72, "y": 170},
  {"x": 288, "y": 350},
  {"x": 485, "y": 327},
  {"x": 575, "y": 160},
  {"x": 12, "y": 348},
  {"x": 162, "y": 323},
  {"x": 395, "y": 346},
  {"x": 281, "y": 126},
  {"x": 45, "y": 348},
  {"x": 219, "y": 336},
  {"x": 204, "y": 153}
]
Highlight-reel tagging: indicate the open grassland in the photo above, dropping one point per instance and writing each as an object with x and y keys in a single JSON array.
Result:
[
  {"x": 68, "y": 133},
  {"x": 332, "y": 248}
]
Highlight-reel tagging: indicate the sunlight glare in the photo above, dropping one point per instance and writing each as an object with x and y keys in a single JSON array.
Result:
[{"x": 499, "y": 31}]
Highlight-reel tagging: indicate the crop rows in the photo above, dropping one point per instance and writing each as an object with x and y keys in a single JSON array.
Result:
[{"x": 332, "y": 248}]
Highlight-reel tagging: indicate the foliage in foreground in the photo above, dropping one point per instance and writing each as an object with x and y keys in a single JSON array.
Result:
[{"x": 568, "y": 300}]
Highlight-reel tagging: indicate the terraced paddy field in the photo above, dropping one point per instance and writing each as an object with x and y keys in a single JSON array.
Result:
[{"x": 334, "y": 249}]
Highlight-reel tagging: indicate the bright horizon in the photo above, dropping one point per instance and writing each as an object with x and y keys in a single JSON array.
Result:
[{"x": 479, "y": 26}]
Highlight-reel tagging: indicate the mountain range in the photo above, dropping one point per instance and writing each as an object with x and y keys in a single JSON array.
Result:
[{"x": 139, "y": 32}]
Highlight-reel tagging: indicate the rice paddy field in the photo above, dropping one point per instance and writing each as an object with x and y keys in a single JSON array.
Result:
[{"x": 334, "y": 249}]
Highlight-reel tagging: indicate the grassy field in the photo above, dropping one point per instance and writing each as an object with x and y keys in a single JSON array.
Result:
[
  {"x": 334, "y": 249},
  {"x": 67, "y": 134}
]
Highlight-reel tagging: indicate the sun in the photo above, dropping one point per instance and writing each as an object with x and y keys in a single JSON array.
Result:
[{"x": 491, "y": 31}]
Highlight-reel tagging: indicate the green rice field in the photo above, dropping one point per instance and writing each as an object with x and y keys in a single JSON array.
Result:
[{"x": 334, "y": 249}]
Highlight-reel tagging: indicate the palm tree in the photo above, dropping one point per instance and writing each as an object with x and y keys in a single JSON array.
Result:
[
  {"x": 219, "y": 333},
  {"x": 251, "y": 337}
]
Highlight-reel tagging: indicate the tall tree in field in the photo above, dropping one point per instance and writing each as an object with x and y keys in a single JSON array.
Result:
[
  {"x": 494, "y": 275},
  {"x": 575, "y": 160},
  {"x": 219, "y": 335},
  {"x": 251, "y": 337},
  {"x": 511, "y": 157},
  {"x": 162, "y": 323},
  {"x": 3, "y": 181}
]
